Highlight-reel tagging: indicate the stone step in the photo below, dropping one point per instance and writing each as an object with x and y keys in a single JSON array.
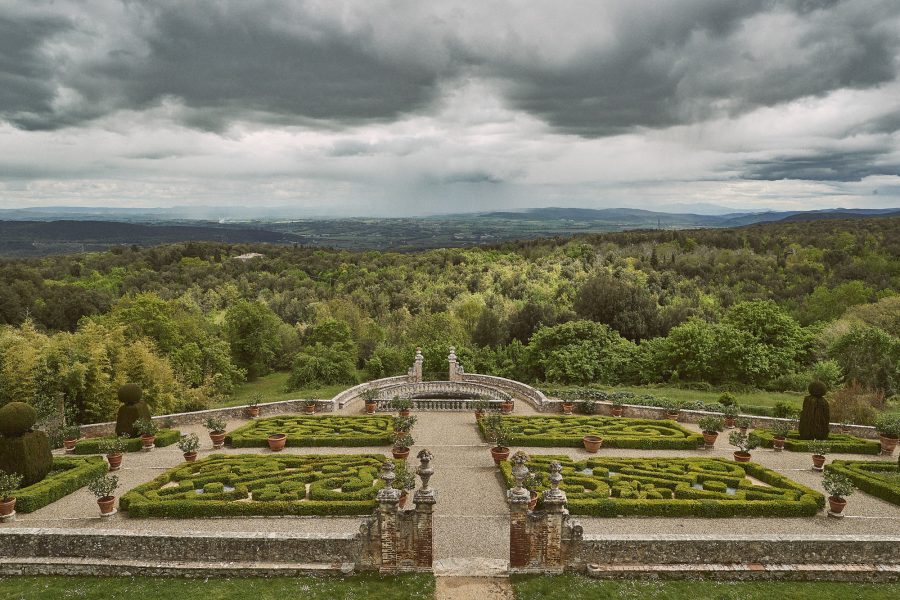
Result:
[
  {"x": 749, "y": 571},
  {"x": 470, "y": 566},
  {"x": 128, "y": 568}
]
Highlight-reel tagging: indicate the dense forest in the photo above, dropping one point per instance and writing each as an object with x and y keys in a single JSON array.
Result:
[{"x": 768, "y": 306}]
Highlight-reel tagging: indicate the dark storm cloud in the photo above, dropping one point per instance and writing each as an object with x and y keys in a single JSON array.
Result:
[{"x": 833, "y": 166}]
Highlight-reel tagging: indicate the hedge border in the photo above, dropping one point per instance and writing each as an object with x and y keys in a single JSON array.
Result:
[
  {"x": 887, "y": 491},
  {"x": 165, "y": 437},
  {"x": 808, "y": 505},
  {"x": 691, "y": 441},
  {"x": 840, "y": 443},
  {"x": 243, "y": 437},
  {"x": 79, "y": 471}
]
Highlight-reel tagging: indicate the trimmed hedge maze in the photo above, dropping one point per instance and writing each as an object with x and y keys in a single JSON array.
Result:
[
  {"x": 165, "y": 437},
  {"x": 839, "y": 443},
  {"x": 261, "y": 485},
  {"x": 617, "y": 432},
  {"x": 316, "y": 431},
  {"x": 66, "y": 475},
  {"x": 673, "y": 487},
  {"x": 878, "y": 478}
]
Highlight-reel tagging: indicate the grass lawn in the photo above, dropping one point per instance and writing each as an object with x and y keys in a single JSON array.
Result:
[
  {"x": 576, "y": 587},
  {"x": 271, "y": 389},
  {"x": 374, "y": 587},
  {"x": 760, "y": 398}
]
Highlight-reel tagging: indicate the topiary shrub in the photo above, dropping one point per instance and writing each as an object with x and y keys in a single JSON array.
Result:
[
  {"x": 22, "y": 450},
  {"x": 815, "y": 416},
  {"x": 132, "y": 409}
]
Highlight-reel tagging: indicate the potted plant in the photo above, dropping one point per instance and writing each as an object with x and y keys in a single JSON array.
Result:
[
  {"x": 402, "y": 443},
  {"x": 743, "y": 423},
  {"x": 147, "y": 429},
  {"x": 507, "y": 407},
  {"x": 480, "y": 407},
  {"x": 309, "y": 407},
  {"x": 588, "y": 406},
  {"x": 498, "y": 435},
  {"x": 277, "y": 441},
  {"x": 71, "y": 434},
  {"x": 402, "y": 405},
  {"x": 672, "y": 409},
  {"x": 253, "y": 407},
  {"x": 9, "y": 483},
  {"x": 530, "y": 483},
  {"x": 114, "y": 449},
  {"x": 216, "y": 427},
  {"x": 710, "y": 425},
  {"x": 618, "y": 407},
  {"x": 838, "y": 487},
  {"x": 369, "y": 397},
  {"x": 104, "y": 486},
  {"x": 567, "y": 407},
  {"x": 780, "y": 430},
  {"x": 744, "y": 445},
  {"x": 189, "y": 444},
  {"x": 403, "y": 424},
  {"x": 405, "y": 481},
  {"x": 888, "y": 427},
  {"x": 592, "y": 443},
  {"x": 818, "y": 448},
  {"x": 730, "y": 413}
]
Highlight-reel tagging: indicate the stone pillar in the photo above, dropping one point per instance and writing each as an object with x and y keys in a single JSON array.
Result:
[
  {"x": 417, "y": 366},
  {"x": 554, "y": 502},
  {"x": 388, "y": 519},
  {"x": 454, "y": 367},
  {"x": 405, "y": 539},
  {"x": 519, "y": 530},
  {"x": 424, "y": 499}
]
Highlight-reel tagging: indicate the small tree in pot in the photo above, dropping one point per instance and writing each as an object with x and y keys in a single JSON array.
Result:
[
  {"x": 189, "y": 444},
  {"x": 744, "y": 445},
  {"x": 309, "y": 407},
  {"x": 780, "y": 431},
  {"x": 147, "y": 429},
  {"x": 743, "y": 423},
  {"x": 888, "y": 427},
  {"x": 588, "y": 406},
  {"x": 253, "y": 407},
  {"x": 369, "y": 397},
  {"x": 672, "y": 409},
  {"x": 71, "y": 434},
  {"x": 838, "y": 487},
  {"x": 819, "y": 449},
  {"x": 618, "y": 407},
  {"x": 114, "y": 449},
  {"x": 405, "y": 481},
  {"x": 498, "y": 435},
  {"x": 402, "y": 443},
  {"x": 480, "y": 407},
  {"x": 9, "y": 483},
  {"x": 103, "y": 487},
  {"x": 710, "y": 425},
  {"x": 216, "y": 427},
  {"x": 730, "y": 413},
  {"x": 401, "y": 405},
  {"x": 404, "y": 424}
]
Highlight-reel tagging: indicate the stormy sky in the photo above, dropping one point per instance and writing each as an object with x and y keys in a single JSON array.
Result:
[{"x": 416, "y": 107}]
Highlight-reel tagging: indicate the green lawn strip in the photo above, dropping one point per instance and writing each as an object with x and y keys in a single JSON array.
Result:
[
  {"x": 165, "y": 437},
  {"x": 673, "y": 487},
  {"x": 261, "y": 485},
  {"x": 617, "y": 432},
  {"x": 271, "y": 388},
  {"x": 880, "y": 478},
  {"x": 326, "y": 430},
  {"x": 373, "y": 586},
  {"x": 839, "y": 443},
  {"x": 68, "y": 474},
  {"x": 579, "y": 587}
]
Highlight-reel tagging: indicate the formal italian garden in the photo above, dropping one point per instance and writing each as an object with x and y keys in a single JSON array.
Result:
[
  {"x": 837, "y": 442},
  {"x": 671, "y": 487},
  {"x": 253, "y": 485},
  {"x": 878, "y": 478},
  {"x": 617, "y": 432},
  {"x": 327, "y": 430}
]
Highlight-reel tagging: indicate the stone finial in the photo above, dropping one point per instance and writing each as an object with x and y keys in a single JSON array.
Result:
[
  {"x": 388, "y": 475},
  {"x": 555, "y": 495},
  {"x": 425, "y": 470},
  {"x": 519, "y": 470}
]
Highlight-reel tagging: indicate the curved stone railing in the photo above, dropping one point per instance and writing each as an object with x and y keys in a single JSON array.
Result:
[
  {"x": 517, "y": 389},
  {"x": 351, "y": 394},
  {"x": 420, "y": 394}
]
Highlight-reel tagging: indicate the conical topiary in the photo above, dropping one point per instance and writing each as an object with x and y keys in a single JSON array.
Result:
[
  {"x": 816, "y": 415},
  {"x": 132, "y": 409},
  {"x": 22, "y": 450}
]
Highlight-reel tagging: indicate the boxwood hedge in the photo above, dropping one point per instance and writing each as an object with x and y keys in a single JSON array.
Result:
[
  {"x": 311, "y": 430},
  {"x": 165, "y": 437},
  {"x": 837, "y": 442},
  {"x": 68, "y": 474},
  {"x": 673, "y": 487},
  {"x": 877, "y": 477},
  {"x": 261, "y": 485},
  {"x": 617, "y": 432}
]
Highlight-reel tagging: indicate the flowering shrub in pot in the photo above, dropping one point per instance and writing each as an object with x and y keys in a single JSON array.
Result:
[
  {"x": 103, "y": 487},
  {"x": 189, "y": 444},
  {"x": 147, "y": 429},
  {"x": 9, "y": 483},
  {"x": 216, "y": 427},
  {"x": 114, "y": 449},
  {"x": 743, "y": 444},
  {"x": 818, "y": 448},
  {"x": 711, "y": 425},
  {"x": 838, "y": 487}
]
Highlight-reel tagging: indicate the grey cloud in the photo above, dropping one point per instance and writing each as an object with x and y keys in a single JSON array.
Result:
[{"x": 824, "y": 166}]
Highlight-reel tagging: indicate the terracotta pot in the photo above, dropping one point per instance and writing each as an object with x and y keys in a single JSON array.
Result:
[
  {"x": 370, "y": 408},
  {"x": 400, "y": 452},
  {"x": 743, "y": 430},
  {"x": 218, "y": 439},
  {"x": 479, "y": 415},
  {"x": 403, "y": 496},
  {"x": 709, "y": 438},
  {"x": 7, "y": 507},
  {"x": 115, "y": 461},
  {"x": 277, "y": 442},
  {"x": 147, "y": 442},
  {"x": 252, "y": 412},
  {"x": 729, "y": 422},
  {"x": 499, "y": 454},
  {"x": 190, "y": 456},
  {"x": 69, "y": 445},
  {"x": 532, "y": 504},
  {"x": 836, "y": 505},
  {"x": 673, "y": 414},
  {"x": 507, "y": 407},
  {"x": 617, "y": 411},
  {"x": 742, "y": 457},
  {"x": 309, "y": 409},
  {"x": 592, "y": 443},
  {"x": 778, "y": 444},
  {"x": 888, "y": 444},
  {"x": 404, "y": 412},
  {"x": 818, "y": 461},
  {"x": 567, "y": 408},
  {"x": 106, "y": 504}
]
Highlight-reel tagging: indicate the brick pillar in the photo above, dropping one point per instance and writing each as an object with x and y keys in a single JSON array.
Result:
[
  {"x": 388, "y": 520},
  {"x": 554, "y": 502},
  {"x": 425, "y": 499},
  {"x": 520, "y": 538}
]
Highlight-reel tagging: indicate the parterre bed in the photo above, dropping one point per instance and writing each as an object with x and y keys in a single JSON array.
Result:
[
  {"x": 839, "y": 443},
  {"x": 68, "y": 474},
  {"x": 876, "y": 477},
  {"x": 165, "y": 437},
  {"x": 302, "y": 430}
]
